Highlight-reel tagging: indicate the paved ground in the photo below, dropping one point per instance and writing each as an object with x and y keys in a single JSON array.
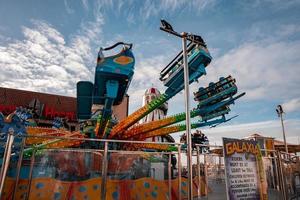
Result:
[{"x": 219, "y": 192}]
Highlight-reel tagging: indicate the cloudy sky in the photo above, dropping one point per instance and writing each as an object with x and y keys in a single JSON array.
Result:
[{"x": 48, "y": 46}]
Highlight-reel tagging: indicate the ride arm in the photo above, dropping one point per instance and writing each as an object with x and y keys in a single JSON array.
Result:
[
  {"x": 178, "y": 128},
  {"x": 112, "y": 87},
  {"x": 56, "y": 143},
  {"x": 151, "y": 126},
  {"x": 215, "y": 125}
]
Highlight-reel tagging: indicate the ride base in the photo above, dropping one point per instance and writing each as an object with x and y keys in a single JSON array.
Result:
[{"x": 55, "y": 172}]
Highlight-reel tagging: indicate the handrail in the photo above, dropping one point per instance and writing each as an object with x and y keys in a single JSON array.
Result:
[
  {"x": 95, "y": 140},
  {"x": 179, "y": 56}
]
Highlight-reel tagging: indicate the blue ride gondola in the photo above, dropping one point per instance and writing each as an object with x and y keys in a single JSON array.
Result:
[
  {"x": 198, "y": 58},
  {"x": 216, "y": 92},
  {"x": 113, "y": 75}
]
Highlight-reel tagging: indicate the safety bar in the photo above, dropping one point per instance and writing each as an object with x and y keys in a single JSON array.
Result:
[
  {"x": 117, "y": 44},
  {"x": 177, "y": 58}
]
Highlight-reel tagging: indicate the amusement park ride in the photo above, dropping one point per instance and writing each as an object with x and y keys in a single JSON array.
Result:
[
  {"x": 113, "y": 75},
  {"x": 112, "y": 78}
]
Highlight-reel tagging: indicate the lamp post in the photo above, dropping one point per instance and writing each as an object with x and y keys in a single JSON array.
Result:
[
  {"x": 280, "y": 111},
  {"x": 165, "y": 26}
]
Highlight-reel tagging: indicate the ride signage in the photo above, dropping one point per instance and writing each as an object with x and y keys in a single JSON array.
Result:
[{"x": 243, "y": 180}]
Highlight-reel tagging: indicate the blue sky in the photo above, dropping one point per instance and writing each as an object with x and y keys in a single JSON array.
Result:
[{"x": 50, "y": 45}]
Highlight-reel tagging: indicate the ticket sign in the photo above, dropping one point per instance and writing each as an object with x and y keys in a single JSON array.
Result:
[{"x": 241, "y": 168}]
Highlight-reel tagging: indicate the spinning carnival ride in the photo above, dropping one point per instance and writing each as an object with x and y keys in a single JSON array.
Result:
[{"x": 113, "y": 75}]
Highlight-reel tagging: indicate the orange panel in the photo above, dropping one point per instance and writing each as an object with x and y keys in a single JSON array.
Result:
[{"x": 143, "y": 188}]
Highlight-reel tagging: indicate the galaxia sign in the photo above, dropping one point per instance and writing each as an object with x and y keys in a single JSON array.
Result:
[
  {"x": 244, "y": 170},
  {"x": 241, "y": 146}
]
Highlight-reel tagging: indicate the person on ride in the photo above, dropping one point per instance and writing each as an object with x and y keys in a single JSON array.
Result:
[
  {"x": 183, "y": 138},
  {"x": 196, "y": 138}
]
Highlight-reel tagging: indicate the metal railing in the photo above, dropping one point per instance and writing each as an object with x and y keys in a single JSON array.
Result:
[
  {"x": 114, "y": 166},
  {"x": 105, "y": 148}
]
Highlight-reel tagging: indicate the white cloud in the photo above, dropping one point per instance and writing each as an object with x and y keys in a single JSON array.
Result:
[
  {"x": 46, "y": 61},
  {"x": 270, "y": 31},
  {"x": 274, "y": 4},
  {"x": 144, "y": 10},
  {"x": 146, "y": 75},
  {"x": 154, "y": 8},
  {"x": 292, "y": 105}
]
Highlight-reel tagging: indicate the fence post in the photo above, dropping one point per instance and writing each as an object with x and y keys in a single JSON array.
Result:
[
  {"x": 206, "y": 178},
  {"x": 277, "y": 182},
  {"x": 170, "y": 176},
  {"x": 6, "y": 159},
  {"x": 30, "y": 173},
  {"x": 199, "y": 172},
  {"x": 179, "y": 172},
  {"x": 282, "y": 181},
  {"x": 104, "y": 172},
  {"x": 19, "y": 168}
]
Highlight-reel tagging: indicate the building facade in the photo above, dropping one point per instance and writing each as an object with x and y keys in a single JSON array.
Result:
[{"x": 49, "y": 106}]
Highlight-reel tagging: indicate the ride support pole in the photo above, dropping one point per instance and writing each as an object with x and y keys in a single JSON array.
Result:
[
  {"x": 187, "y": 119},
  {"x": 6, "y": 159}
]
